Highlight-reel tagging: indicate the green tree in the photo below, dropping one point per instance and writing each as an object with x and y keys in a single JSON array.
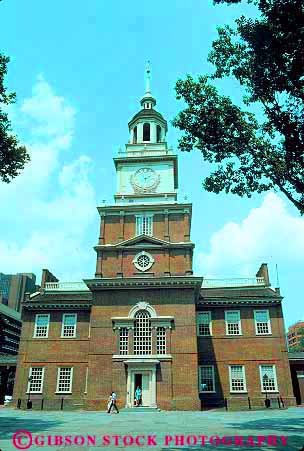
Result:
[
  {"x": 266, "y": 56},
  {"x": 13, "y": 157}
]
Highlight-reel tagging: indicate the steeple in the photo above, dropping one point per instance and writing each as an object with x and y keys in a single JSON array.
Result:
[
  {"x": 148, "y": 125},
  {"x": 148, "y": 78},
  {"x": 147, "y": 170},
  {"x": 148, "y": 101}
]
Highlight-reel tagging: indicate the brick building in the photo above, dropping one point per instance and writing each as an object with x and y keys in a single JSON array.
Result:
[
  {"x": 294, "y": 335},
  {"x": 145, "y": 319}
]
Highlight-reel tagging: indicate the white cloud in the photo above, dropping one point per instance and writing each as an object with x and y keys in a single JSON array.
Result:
[
  {"x": 51, "y": 205},
  {"x": 268, "y": 234},
  {"x": 48, "y": 114}
]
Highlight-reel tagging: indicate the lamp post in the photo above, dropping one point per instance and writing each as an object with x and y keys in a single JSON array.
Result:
[
  {"x": 265, "y": 380},
  {"x": 29, "y": 402}
]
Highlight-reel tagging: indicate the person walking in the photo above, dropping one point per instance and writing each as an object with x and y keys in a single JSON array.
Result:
[
  {"x": 113, "y": 402},
  {"x": 137, "y": 396}
]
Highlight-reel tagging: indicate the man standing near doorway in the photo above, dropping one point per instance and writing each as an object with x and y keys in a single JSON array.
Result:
[
  {"x": 138, "y": 396},
  {"x": 113, "y": 402}
]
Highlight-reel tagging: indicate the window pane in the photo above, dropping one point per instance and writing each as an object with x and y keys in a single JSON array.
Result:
[
  {"x": 69, "y": 325},
  {"x": 41, "y": 326},
  {"x": 237, "y": 378},
  {"x": 206, "y": 379},
  {"x": 262, "y": 322},
  {"x": 142, "y": 333},
  {"x": 35, "y": 386},
  {"x": 161, "y": 340},
  {"x": 204, "y": 319},
  {"x": 144, "y": 225},
  {"x": 64, "y": 379},
  {"x": 232, "y": 317},
  {"x": 268, "y": 378},
  {"x": 233, "y": 322},
  {"x": 42, "y": 320},
  {"x": 123, "y": 341},
  {"x": 261, "y": 316},
  {"x": 70, "y": 320}
]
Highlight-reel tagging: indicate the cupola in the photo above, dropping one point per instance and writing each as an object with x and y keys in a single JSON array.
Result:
[{"x": 148, "y": 125}]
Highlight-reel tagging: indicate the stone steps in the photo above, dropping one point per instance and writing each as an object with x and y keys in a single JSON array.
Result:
[{"x": 140, "y": 409}]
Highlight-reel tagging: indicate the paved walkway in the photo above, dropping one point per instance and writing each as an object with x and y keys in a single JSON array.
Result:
[{"x": 161, "y": 426}]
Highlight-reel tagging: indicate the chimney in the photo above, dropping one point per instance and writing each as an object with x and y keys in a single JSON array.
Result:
[
  {"x": 46, "y": 277},
  {"x": 263, "y": 272}
]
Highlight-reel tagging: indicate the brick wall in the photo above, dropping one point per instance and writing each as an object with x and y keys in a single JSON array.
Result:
[{"x": 248, "y": 349}]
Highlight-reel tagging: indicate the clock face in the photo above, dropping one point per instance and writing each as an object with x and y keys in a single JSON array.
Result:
[{"x": 145, "y": 178}]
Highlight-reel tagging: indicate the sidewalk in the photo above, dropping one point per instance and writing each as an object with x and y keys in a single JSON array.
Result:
[{"x": 287, "y": 423}]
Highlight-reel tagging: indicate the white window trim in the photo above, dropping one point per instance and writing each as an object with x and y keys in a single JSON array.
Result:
[
  {"x": 137, "y": 266},
  {"x": 48, "y": 326},
  {"x": 86, "y": 381},
  {"x": 210, "y": 324},
  {"x": 240, "y": 323},
  {"x": 127, "y": 341},
  {"x": 42, "y": 380},
  {"x": 213, "y": 379},
  {"x": 147, "y": 215},
  {"x": 71, "y": 380},
  {"x": 230, "y": 380},
  {"x": 275, "y": 378},
  {"x": 164, "y": 340},
  {"x": 62, "y": 326},
  {"x": 269, "y": 322}
]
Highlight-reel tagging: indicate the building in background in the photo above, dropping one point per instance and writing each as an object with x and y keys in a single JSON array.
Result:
[
  {"x": 14, "y": 286},
  {"x": 145, "y": 319},
  {"x": 12, "y": 291},
  {"x": 295, "y": 334},
  {"x": 296, "y": 360}
]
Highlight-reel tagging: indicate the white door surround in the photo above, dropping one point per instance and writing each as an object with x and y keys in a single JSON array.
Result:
[{"x": 147, "y": 369}]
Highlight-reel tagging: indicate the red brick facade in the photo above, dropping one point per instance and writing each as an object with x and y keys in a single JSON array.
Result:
[{"x": 138, "y": 322}]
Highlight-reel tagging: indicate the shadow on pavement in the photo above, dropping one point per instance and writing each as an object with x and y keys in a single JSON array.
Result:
[
  {"x": 9, "y": 425},
  {"x": 272, "y": 424}
]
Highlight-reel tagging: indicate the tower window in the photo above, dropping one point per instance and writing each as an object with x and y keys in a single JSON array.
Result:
[
  {"x": 146, "y": 132},
  {"x": 158, "y": 133},
  {"x": 144, "y": 225},
  {"x": 135, "y": 135}
]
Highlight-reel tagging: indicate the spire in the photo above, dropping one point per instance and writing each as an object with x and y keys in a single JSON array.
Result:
[
  {"x": 148, "y": 78},
  {"x": 148, "y": 101}
]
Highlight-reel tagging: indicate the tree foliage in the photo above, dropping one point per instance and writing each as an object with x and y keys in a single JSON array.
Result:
[
  {"x": 266, "y": 56},
  {"x": 13, "y": 157}
]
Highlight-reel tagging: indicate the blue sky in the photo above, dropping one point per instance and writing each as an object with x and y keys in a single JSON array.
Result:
[{"x": 78, "y": 70}]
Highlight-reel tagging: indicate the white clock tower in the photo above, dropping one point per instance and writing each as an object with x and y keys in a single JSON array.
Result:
[{"x": 147, "y": 169}]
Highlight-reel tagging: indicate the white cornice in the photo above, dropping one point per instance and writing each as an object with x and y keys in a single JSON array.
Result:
[{"x": 146, "y": 283}]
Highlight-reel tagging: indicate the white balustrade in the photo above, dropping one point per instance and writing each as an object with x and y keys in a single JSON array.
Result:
[
  {"x": 66, "y": 286},
  {"x": 239, "y": 282}
]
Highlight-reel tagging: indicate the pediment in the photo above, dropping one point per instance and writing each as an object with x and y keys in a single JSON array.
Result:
[{"x": 142, "y": 241}]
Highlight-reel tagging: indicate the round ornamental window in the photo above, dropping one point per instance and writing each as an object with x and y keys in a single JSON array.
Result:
[{"x": 143, "y": 261}]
